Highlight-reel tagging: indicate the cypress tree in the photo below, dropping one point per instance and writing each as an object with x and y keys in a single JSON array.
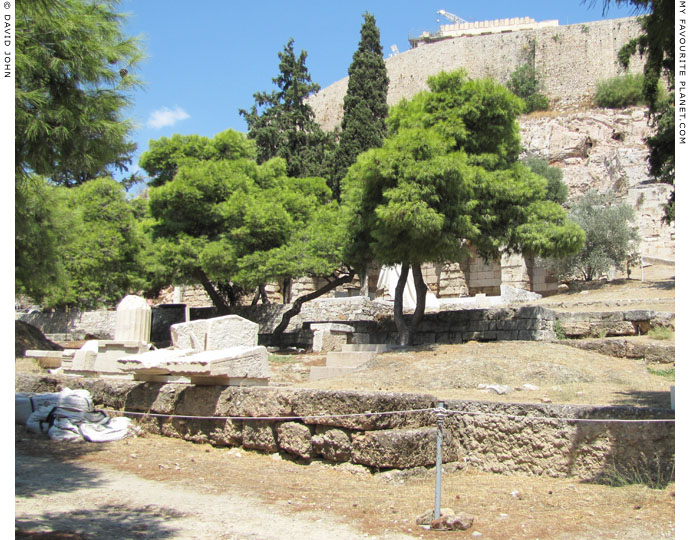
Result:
[
  {"x": 364, "y": 108},
  {"x": 282, "y": 122}
]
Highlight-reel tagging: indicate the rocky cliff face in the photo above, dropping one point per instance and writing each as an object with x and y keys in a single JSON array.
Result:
[{"x": 605, "y": 150}]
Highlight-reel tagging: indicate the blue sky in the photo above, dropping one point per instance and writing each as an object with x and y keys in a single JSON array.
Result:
[{"x": 204, "y": 63}]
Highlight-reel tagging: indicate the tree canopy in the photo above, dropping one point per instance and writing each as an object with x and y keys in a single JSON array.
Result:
[
  {"x": 364, "y": 107},
  {"x": 224, "y": 218},
  {"x": 282, "y": 122},
  {"x": 73, "y": 74},
  {"x": 447, "y": 178},
  {"x": 611, "y": 238}
]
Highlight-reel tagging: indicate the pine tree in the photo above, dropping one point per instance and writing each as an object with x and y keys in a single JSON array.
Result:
[
  {"x": 364, "y": 108},
  {"x": 72, "y": 84},
  {"x": 282, "y": 122}
]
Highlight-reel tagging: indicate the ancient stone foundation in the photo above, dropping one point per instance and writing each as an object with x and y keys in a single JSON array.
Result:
[{"x": 543, "y": 440}]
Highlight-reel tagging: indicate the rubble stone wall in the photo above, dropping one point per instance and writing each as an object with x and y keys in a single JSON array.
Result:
[
  {"x": 497, "y": 437},
  {"x": 570, "y": 59}
]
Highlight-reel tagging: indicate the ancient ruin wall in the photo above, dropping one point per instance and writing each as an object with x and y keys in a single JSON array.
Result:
[
  {"x": 509, "y": 438},
  {"x": 570, "y": 59}
]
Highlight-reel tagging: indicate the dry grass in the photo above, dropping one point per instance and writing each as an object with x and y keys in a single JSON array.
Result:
[{"x": 563, "y": 374}]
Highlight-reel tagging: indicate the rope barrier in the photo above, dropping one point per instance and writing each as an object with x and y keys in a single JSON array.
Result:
[
  {"x": 438, "y": 411},
  {"x": 271, "y": 418}
]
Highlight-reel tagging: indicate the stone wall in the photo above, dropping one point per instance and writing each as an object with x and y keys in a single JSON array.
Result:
[
  {"x": 544, "y": 440},
  {"x": 570, "y": 59}
]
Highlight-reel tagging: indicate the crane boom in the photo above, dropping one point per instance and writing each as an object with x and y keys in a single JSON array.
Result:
[{"x": 451, "y": 16}]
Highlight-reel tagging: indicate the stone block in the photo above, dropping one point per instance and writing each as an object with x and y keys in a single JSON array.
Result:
[
  {"x": 228, "y": 434},
  {"x": 332, "y": 443},
  {"x": 330, "y": 336},
  {"x": 152, "y": 362},
  {"x": 215, "y": 334},
  {"x": 234, "y": 362},
  {"x": 399, "y": 448},
  {"x": 295, "y": 438},
  {"x": 258, "y": 435}
]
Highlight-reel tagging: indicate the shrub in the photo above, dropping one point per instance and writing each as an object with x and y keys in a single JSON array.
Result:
[
  {"x": 524, "y": 82},
  {"x": 620, "y": 92}
]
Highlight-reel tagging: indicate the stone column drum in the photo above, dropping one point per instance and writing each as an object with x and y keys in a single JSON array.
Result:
[{"x": 133, "y": 320}]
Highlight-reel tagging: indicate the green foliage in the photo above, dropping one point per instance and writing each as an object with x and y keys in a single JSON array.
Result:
[
  {"x": 447, "y": 176},
  {"x": 73, "y": 74},
  {"x": 364, "y": 108},
  {"x": 41, "y": 225},
  {"x": 165, "y": 155},
  {"x": 282, "y": 122},
  {"x": 224, "y": 218},
  {"x": 524, "y": 82},
  {"x": 558, "y": 328},
  {"x": 89, "y": 249},
  {"x": 611, "y": 238},
  {"x": 661, "y": 332},
  {"x": 620, "y": 92},
  {"x": 556, "y": 189}
]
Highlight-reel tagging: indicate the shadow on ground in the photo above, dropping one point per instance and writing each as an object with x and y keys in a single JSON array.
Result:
[
  {"x": 661, "y": 400},
  {"x": 107, "y": 521}
]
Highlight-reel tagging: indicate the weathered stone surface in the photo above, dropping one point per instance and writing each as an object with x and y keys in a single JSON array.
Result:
[
  {"x": 238, "y": 361},
  {"x": 133, "y": 319},
  {"x": 228, "y": 433},
  {"x": 626, "y": 348},
  {"x": 258, "y": 434},
  {"x": 151, "y": 361},
  {"x": 330, "y": 336},
  {"x": 332, "y": 443},
  {"x": 214, "y": 334},
  {"x": 398, "y": 448},
  {"x": 295, "y": 438}
]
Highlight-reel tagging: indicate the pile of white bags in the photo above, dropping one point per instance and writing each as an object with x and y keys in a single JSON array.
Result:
[{"x": 69, "y": 415}]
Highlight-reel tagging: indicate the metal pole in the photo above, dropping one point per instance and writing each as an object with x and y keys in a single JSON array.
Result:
[{"x": 440, "y": 413}]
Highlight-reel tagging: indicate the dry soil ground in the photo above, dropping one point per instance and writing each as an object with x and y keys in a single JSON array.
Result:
[{"x": 159, "y": 488}]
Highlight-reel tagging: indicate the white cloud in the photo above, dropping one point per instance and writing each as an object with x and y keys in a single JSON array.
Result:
[{"x": 166, "y": 117}]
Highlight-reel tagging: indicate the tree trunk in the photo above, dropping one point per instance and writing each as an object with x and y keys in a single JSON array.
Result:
[
  {"x": 219, "y": 303},
  {"x": 420, "y": 291},
  {"x": 364, "y": 282},
  {"x": 405, "y": 331},
  {"x": 297, "y": 304},
  {"x": 404, "y": 334},
  {"x": 264, "y": 296}
]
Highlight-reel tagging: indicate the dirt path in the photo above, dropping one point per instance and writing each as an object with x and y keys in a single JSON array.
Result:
[{"x": 102, "y": 502}]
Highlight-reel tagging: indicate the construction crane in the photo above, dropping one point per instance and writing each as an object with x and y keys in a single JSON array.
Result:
[{"x": 450, "y": 16}]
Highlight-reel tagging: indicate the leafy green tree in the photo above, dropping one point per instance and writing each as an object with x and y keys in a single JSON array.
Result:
[
  {"x": 447, "y": 177},
  {"x": 72, "y": 82},
  {"x": 282, "y": 122},
  {"x": 611, "y": 238},
  {"x": 657, "y": 44},
  {"x": 556, "y": 189},
  {"x": 73, "y": 75},
  {"x": 225, "y": 219},
  {"x": 103, "y": 259},
  {"x": 41, "y": 226},
  {"x": 92, "y": 239},
  {"x": 364, "y": 108}
]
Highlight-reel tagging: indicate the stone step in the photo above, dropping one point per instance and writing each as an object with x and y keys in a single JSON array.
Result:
[
  {"x": 326, "y": 372},
  {"x": 349, "y": 359},
  {"x": 366, "y": 347}
]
